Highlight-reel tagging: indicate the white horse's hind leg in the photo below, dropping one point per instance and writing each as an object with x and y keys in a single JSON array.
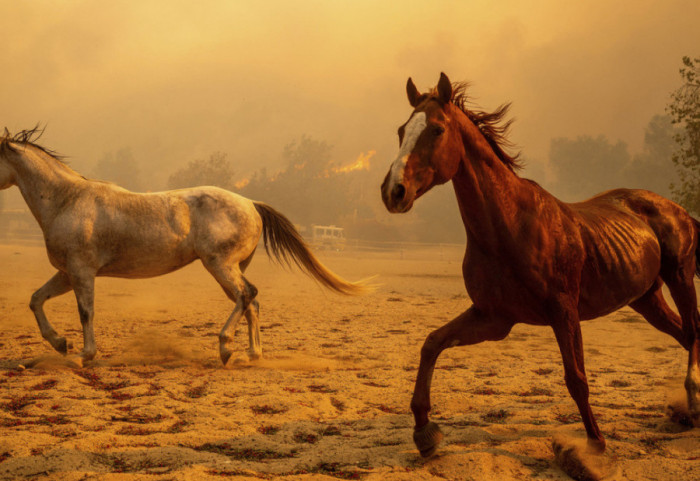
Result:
[
  {"x": 254, "y": 346},
  {"x": 238, "y": 290},
  {"x": 252, "y": 314},
  {"x": 230, "y": 326},
  {"x": 57, "y": 285}
]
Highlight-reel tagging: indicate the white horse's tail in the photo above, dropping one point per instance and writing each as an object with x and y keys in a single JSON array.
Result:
[{"x": 282, "y": 241}]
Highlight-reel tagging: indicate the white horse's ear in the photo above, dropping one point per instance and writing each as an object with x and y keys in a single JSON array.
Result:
[
  {"x": 444, "y": 88},
  {"x": 412, "y": 92}
]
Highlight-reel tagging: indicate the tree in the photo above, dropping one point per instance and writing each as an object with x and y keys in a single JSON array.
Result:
[
  {"x": 217, "y": 170},
  {"x": 121, "y": 168},
  {"x": 310, "y": 192},
  {"x": 685, "y": 112},
  {"x": 308, "y": 157},
  {"x": 649, "y": 168},
  {"x": 585, "y": 166},
  {"x": 307, "y": 188}
]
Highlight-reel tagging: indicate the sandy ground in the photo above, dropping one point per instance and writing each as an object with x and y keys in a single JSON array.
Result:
[{"x": 331, "y": 398}]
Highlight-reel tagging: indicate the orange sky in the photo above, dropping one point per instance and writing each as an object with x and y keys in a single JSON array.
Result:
[{"x": 175, "y": 81}]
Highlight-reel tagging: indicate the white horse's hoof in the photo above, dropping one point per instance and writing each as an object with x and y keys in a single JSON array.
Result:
[
  {"x": 62, "y": 345},
  {"x": 87, "y": 356},
  {"x": 225, "y": 356}
]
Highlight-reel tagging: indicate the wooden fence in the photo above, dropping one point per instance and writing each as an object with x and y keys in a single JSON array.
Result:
[{"x": 20, "y": 228}]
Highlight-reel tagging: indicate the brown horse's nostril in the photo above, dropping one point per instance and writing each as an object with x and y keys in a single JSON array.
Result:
[{"x": 398, "y": 193}]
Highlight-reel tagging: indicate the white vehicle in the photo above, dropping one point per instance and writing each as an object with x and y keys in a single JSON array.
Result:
[{"x": 328, "y": 237}]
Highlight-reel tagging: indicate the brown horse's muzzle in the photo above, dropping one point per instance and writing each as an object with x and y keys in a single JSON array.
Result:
[{"x": 397, "y": 198}]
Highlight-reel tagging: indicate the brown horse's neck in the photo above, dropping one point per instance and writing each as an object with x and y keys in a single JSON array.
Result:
[
  {"x": 45, "y": 183},
  {"x": 488, "y": 192}
]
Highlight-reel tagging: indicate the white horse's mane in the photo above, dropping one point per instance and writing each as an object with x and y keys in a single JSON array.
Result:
[{"x": 26, "y": 137}]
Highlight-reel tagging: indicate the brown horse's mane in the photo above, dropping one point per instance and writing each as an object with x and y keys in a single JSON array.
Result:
[
  {"x": 490, "y": 124},
  {"x": 26, "y": 137}
]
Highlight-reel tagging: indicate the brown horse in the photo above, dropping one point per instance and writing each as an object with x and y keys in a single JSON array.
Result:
[{"x": 533, "y": 259}]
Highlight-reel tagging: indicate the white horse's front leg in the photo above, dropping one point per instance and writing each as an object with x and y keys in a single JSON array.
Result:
[
  {"x": 84, "y": 287},
  {"x": 57, "y": 285}
]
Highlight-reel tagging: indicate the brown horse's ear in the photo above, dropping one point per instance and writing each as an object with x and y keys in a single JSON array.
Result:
[
  {"x": 444, "y": 88},
  {"x": 412, "y": 92}
]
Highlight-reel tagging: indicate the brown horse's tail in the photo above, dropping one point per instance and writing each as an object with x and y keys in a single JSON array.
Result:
[
  {"x": 696, "y": 223},
  {"x": 283, "y": 240}
]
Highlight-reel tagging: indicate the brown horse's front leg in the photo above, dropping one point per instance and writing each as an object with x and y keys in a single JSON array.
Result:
[
  {"x": 568, "y": 334},
  {"x": 470, "y": 327}
]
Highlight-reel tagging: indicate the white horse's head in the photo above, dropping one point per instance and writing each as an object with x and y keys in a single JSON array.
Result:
[
  {"x": 7, "y": 172},
  {"x": 16, "y": 149}
]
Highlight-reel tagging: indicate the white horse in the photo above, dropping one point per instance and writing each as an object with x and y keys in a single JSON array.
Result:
[{"x": 95, "y": 228}]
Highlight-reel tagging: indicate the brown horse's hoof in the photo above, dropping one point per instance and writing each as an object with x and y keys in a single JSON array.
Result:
[
  {"x": 595, "y": 446},
  {"x": 582, "y": 461},
  {"x": 677, "y": 409},
  {"x": 427, "y": 439}
]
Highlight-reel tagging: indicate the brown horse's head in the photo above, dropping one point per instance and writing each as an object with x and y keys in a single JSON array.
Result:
[{"x": 430, "y": 147}]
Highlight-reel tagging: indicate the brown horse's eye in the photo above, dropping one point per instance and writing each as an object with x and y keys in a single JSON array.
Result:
[{"x": 437, "y": 130}]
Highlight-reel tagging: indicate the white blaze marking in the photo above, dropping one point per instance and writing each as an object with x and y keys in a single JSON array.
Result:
[{"x": 414, "y": 128}]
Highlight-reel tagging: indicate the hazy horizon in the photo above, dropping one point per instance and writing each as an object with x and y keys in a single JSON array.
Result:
[{"x": 176, "y": 83}]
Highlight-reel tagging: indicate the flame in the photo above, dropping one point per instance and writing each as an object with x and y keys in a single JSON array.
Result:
[
  {"x": 361, "y": 163},
  {"x": 241, "y": 183}
]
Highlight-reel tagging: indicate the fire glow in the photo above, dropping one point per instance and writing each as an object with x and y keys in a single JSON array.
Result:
[{"x": 361, "y": 163}]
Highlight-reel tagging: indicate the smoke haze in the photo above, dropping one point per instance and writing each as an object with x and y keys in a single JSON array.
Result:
[{"x": 173, "y": 82}]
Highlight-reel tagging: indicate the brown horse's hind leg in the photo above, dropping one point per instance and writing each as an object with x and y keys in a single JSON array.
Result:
[
  {"x": 568, "y": 333},
  {"x": 471, "y": 327},
  {"x": 57, "y": 285},
  {"x": 683, "y": 293},
  {"x": 653, "y": 307}
]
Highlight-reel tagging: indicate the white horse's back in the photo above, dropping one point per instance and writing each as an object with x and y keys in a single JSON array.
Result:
[{"x": 137, "y": 235}]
